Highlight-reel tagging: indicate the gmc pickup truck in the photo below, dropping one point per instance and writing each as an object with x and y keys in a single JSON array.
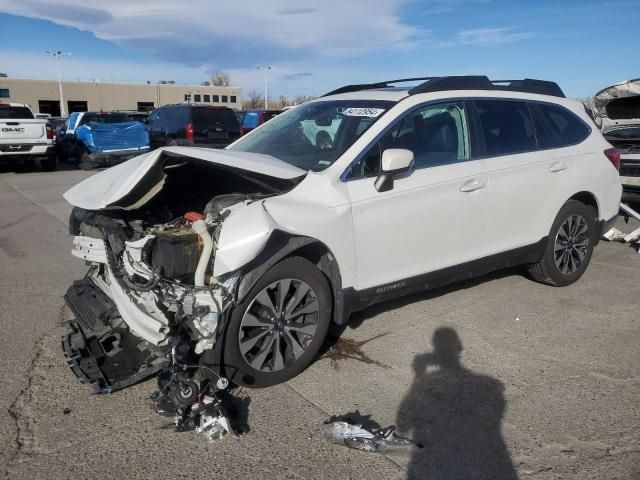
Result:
[{"x": 24, "y": 138}]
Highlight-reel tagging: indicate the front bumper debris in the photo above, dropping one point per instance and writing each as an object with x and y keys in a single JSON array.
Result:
[
  {"x": 99, "y": 348},
  {"x": 361, "y": 433},
  {"x": 110, "y": 158}
]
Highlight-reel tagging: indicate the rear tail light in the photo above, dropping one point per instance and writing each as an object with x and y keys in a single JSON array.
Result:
[
  {"x": 189, "y": 132},
  {"x": 613, "y": 154},
  {"x": 241, "y": 131},
  {"x": 49, "y": 133}
]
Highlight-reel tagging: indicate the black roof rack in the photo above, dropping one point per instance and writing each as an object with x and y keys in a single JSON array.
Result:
[
  {"x": 467, "y": 82},
  {"x": 371, "y": 86}
]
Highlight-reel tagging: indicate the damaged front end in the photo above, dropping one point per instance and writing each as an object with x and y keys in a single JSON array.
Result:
[{"x": 150, "y": 302}]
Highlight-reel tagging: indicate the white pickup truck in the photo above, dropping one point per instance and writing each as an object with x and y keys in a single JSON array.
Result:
[{"x": 24, "y": 138}]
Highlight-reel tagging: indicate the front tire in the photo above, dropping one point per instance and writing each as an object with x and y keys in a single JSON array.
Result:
[
  {"x": 569, "y": 246},
  {"x": 280, "y": 326}
]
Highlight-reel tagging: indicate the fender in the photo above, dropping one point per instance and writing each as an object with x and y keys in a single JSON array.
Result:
[{"x": 280, "y": 245}]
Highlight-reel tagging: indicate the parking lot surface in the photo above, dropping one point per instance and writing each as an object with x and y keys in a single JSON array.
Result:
[{"x": 546, "y": 384}]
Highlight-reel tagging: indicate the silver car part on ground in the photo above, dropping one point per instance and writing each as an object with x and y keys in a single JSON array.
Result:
[{"x": 356, "y": 436}]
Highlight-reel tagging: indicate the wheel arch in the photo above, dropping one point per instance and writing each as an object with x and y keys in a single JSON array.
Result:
[
  {"x": 587, "y": 198},
  {"x": 283, "y": 245}
]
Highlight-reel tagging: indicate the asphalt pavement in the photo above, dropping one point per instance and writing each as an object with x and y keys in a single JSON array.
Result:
[{"x": 500, "y": 375}]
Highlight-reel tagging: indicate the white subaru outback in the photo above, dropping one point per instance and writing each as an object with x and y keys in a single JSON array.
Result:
[{"x": 235, "y": 262}]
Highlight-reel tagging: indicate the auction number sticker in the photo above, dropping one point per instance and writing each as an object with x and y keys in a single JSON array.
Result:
[{"x": 362, "y": 112}]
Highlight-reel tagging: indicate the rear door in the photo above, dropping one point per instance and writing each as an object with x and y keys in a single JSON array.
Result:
[
  {"x": 527, "y": 183},
  {"x": 157, "y": 125}
]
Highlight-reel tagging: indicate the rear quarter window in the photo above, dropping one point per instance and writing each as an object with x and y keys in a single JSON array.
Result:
[
  {"x": 506, "y": 127},
  {"x": 556, "y": 126}
]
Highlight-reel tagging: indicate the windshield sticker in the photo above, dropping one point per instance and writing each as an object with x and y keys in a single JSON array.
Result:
[{"x": 361, "y": 112}]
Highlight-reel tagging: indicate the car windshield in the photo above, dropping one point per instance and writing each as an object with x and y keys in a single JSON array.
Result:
[
  {"x": 314, "y": 135},
  {"x": 105, "y": 118}
]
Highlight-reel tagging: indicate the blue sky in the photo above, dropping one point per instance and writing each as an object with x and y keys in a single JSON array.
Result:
[{"x": 316, "y": 46}]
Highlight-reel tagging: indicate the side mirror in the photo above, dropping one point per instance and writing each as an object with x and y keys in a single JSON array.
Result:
[{"x": 395, "y": 161}]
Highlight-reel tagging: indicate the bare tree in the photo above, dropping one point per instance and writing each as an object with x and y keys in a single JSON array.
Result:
[
  {"x": 302, "y": 99},
  {"x": 283, "y": 101},
  {"x": 221, "y": 79},
  {"x": 254, "y": 99}
]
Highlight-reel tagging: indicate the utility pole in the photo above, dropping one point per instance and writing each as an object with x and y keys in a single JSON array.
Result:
[
  {"x": 57, "y": 54},
  {"x": 265, "y": 69}
]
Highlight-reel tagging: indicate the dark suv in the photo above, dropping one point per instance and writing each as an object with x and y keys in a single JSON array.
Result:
[{"x": 193, "y": 125}]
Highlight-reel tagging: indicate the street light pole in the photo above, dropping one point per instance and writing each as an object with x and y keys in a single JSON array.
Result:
[
  {"x": 57, "y": 54},
  {"x": 265, "y": 68}
]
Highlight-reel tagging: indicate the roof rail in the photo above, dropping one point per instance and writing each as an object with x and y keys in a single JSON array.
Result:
[
  {"x": 466, "y": 82},
  {"x": 370, "y": 86}
]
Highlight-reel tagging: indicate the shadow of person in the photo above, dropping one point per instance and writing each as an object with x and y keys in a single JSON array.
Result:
[{"x": 456, "y": 414}]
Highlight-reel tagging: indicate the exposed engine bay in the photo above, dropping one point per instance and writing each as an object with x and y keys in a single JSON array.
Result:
[{"x": 150, "y": 303}]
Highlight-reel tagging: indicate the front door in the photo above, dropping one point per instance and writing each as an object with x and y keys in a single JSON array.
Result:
[{"x": 434, "y": 216}]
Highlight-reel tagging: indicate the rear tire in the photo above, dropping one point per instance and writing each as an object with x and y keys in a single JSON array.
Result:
[
  {"x": 569, "y": 246},
  {"x": 49, "y": 164},
  {"x": 28, "y": 164},
  {"x": 271, "y": 339}
]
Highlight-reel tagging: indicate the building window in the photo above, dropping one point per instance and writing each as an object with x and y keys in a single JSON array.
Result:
[
  {"x": 207, "y": 98},
  {"x": 4, "y": 93},
  {"x": 197, "y": 98},
  {"x": 187, "y": 97},
  {"x": 77, "y": 106},
  {"x": 145, "y": 106},
  {"x": 224, "y": 99},
  {"x": 216, "y": 98},
  {"x": 233, "y": 99}
]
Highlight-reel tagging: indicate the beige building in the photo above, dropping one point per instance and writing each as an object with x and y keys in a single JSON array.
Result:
[{"x": 44, "y": 96}]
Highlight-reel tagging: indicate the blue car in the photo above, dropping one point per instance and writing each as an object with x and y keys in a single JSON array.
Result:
[{"x": 101, "y": 139}]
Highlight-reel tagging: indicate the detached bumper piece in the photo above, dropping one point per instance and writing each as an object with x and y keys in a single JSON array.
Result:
[
  {"x": 109, "y": 159},
  {"x": 361, "y": 433},
  {"x": 99, "y": 348}
]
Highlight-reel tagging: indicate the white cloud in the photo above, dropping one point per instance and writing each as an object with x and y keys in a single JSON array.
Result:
[
  {"x": 231, "y": 32},
  {"x": 486, "y": 37}
]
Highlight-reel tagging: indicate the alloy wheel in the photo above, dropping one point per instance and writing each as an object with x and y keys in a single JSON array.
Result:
[
  {"x": 279, "y": 325},
  {"x": 571, "y": 244}
]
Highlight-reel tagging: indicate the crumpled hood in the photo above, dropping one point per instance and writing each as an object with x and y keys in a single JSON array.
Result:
[
  {"x": 131, "y": 184},
  {"x": 621, "y": 90}
]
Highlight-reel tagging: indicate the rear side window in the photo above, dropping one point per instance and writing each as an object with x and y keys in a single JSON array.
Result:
[
  {"x": 506, "y": 127},
  {"x": 7, "y": 111},
  {"x": 215, "y": 117},
  {"x": 556, "y": 126}
]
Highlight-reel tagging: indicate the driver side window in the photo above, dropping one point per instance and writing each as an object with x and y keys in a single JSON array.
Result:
[{"x": 436, "y": 134}]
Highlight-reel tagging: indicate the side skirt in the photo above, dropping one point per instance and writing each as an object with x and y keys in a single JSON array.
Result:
[{"x": 357, "y": 300}]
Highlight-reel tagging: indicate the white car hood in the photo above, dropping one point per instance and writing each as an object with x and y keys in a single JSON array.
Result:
[{"x": 107, "y": 189}]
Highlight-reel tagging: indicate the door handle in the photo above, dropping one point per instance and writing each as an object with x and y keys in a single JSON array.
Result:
[
  {"x": 557, "y": 167},
  {"x": 472, "y": 185}
]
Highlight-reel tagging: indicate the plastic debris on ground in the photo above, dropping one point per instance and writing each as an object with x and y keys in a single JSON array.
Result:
[
  {"x": 206, "y": 409},
  {"x": 359, "y": 432},
  {"x": 615, "y": 235}
]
